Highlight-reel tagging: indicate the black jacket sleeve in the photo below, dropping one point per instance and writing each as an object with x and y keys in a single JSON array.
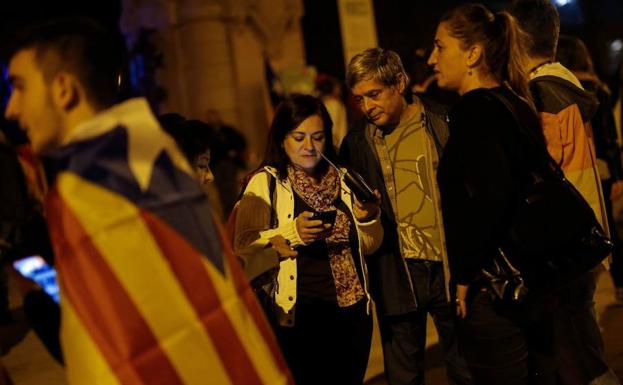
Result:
[{"x": 477, "y": 183}]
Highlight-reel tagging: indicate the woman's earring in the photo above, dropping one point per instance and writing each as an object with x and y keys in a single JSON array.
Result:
[{"x": 469, "y": 72}]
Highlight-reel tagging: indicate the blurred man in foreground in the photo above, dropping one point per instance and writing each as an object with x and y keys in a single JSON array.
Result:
[{"x": 144, "y": 278}]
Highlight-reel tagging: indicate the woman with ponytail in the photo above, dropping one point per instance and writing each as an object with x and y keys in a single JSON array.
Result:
[{"x": 479, "y": 55}]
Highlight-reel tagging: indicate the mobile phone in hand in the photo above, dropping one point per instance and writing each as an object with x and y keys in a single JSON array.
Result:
[
  {"x": 35, "y": 268},
  {"x": 327, "y": 217}
]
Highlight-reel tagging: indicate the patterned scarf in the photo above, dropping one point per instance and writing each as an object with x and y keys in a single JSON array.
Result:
[{"x": 321, "y": 196}]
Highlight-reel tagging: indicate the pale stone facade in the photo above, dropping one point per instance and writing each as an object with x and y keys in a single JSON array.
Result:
[{"x": 214, "y": 55}]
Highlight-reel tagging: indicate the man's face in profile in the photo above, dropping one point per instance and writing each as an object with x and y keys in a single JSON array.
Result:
[{"x": 31, "y": 103}]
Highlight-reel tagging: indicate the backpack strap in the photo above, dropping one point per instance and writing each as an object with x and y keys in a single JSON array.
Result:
[
  {"x": 538, "y": 146},
  {"x": 272, "y": 190},
  {"x": 230, "y": 225}
]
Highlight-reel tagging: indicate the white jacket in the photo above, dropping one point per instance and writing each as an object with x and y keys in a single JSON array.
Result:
[{"x": 251, "y": 243}]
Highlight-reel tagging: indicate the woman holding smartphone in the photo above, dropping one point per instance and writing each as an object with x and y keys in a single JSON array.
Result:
[{"x": 321, "y": 313}]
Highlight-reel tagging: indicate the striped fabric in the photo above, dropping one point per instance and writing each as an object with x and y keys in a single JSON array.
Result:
[
  {"x": 150, "y": 292},
  {"x": 565, "y": 111},
  {"x": 33, "y": 173},
  {"x": 570, "y": 142}
]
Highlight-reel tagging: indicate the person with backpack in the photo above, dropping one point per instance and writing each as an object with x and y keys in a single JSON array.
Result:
[
  {"x": 566, "y": 111},
  {"x": 319, "y": 292}
]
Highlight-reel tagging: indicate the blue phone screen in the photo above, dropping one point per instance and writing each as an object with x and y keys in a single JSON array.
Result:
[{"x": 38, "y": 270}]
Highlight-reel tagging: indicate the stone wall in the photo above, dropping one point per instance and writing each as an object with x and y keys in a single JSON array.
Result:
[{"x": 214, "y": 54}]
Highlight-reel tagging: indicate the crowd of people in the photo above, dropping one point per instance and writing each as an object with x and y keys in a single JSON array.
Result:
[{"x": 413, "y": 209}]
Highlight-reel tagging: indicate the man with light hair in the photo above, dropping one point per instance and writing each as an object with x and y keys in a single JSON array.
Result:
[{"x": 397, "y": 151}]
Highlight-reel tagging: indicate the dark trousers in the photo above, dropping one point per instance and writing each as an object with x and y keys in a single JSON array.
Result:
[
  {"x": 510, "y": 345},
  {"x": 404, "y": 336},
  {"x": 578, "y": 343},
  {"x": 328, "y": 344}
]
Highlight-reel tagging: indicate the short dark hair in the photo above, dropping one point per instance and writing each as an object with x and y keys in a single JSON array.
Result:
[
  {"x": 325, "y": 84},
  {"x": 288, "y": 116},
  {"x": 81, "y": 47},
  {"x": 193, "y": 137},
  {"x": 540, "y": 20},
  {"x": 573, "y": 54}
]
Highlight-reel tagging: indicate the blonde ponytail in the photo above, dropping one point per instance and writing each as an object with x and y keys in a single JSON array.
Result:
[
  {"x": 515, "y": 42},
  {"x": 503, "y": 42}
]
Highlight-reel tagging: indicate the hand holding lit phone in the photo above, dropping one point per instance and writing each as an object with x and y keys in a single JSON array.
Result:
[{"x": 33, "y": 270}]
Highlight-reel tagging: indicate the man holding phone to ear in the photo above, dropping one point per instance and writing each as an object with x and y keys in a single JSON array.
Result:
[{"x": 397, "y": 152}]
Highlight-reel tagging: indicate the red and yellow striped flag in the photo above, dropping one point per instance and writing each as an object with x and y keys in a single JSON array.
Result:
[
  {"x": 33, "y": 173},
  {"x": 149, "y": 292}
]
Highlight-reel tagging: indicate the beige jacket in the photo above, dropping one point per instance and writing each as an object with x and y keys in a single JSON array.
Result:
[{"x": 251, "y": 241}]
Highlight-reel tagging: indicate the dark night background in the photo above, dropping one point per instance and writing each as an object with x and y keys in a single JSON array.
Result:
[
  {"x": 401, "y": 25},
  {"x": 404, "y": 26},
  {"x": 16, "y": 14}
]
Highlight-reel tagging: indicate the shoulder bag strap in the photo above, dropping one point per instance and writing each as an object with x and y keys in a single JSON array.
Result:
[
  {"x": 272, "y": 191},
  {"x": 535, "y": 142}
]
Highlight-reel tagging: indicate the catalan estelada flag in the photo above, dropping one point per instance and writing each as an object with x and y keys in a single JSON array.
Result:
[
  {"x": 150, "y": 294},
  {"x": 33, "y": 173}
]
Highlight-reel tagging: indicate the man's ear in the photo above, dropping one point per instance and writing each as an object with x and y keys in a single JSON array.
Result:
[
  {"x": 65, "y": 91},
  {"x": 474, "y": 56},
  {"x": 401, "y": 85}
]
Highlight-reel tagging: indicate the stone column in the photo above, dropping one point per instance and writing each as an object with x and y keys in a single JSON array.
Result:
[
  {"x": 260, "y": 30},
  {"x": 214, "y": 55}
]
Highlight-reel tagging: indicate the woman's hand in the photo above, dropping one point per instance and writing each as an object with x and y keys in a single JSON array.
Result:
[
  {"x": 310, "y": 230},
  {"x": 365, "y": 212},
  {"x": 461, "y": 305},
  {"x": 282, "y": 247}
]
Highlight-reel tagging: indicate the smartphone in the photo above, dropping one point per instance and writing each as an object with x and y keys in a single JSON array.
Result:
[
  {"x": 359, "y": 187},
  {"x": 327, "y": 217},
  {"x": 35, "y": 268}
]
